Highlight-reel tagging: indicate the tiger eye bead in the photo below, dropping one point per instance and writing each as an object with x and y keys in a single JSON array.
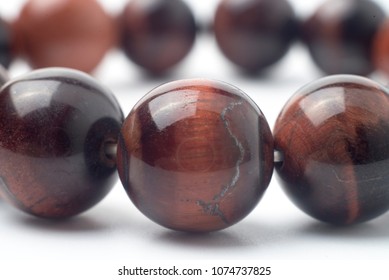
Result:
[
  {"x": 340, "y": 35},
  {"x": 254, "y": 34},
  {"x": 66, "y": 33},
  {"x": 157, "y": 34},
  {"x": 334, "y": 135},
  {"x": 195, "y": 155},
  {"x": 56, "y": 126}
]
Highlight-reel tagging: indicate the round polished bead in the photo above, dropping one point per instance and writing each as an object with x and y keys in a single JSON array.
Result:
[
  {"x": 334, "y": 136},
  {"x": 67, "y": 33},
  {"x": 56, "y": 128},
  {"x": 340, "y": 36},
  {"x": 254, "y": 34},
  {"x": 157, "y": 34},
  {"x": 195, "y": 155}
]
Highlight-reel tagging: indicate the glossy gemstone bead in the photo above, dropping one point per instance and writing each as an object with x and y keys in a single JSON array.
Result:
[
  {"x": 254, "y": 34},
  {"x": 55, "y": 127},
  {"x": 67, "y": 33},
  {"x": 340, "y": 36},
  {"x": 195, "y": 155},
  {"x": 157, "y": 34},
  {"x": 334, "y": 136}
]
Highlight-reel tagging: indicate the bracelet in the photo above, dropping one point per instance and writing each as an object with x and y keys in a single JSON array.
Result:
[
  {"x": 193, "y": 155},
  {"x": 347, "y": 37}
]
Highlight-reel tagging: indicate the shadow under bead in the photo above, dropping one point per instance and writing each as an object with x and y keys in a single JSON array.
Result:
[
  {"x": 195, "y": 155},
  {"x": 66, "y": 33},
  {"x": 334, "y": 136},
  {"x": 340, "y": 34},
  {"x": 158, "y": 34},
  {"x": 55, "y": 125},
  {"x": 255, "y": 34}
]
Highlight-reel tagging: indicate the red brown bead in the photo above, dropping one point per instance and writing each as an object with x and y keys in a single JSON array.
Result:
[
  {"x": 67, "y": 33},
  {"x": 157, "y": 34},
  {"x": 340, "y": 34},
  {"x": 55, "y": 126},
  {"x": 255, "y": 34},
  {"x": 195, "y": 155},
  {"x": 334, "y": 136}
]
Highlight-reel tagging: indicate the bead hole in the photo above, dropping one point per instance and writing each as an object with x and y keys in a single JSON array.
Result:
[
  {"x": 110, "y": 149},
  {"x": 278, "y": 157}
]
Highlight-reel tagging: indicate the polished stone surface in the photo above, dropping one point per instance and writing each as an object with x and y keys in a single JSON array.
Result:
[
  {"x": 56, "y": 126},
  {"x": 334, "y": 135},
  {"x": 195, "y": 155}
]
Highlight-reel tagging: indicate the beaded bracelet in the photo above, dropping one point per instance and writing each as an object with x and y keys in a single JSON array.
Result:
[
  {"x": 346, "y": 36},
  {"x": 193, "y": 155}
]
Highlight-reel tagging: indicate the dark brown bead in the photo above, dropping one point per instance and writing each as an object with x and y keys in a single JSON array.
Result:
[
  {"x": 195, "y": 155},
  {"x": 55, "y": 127},
  {"x": 254, "y": 34},
  {"x": 381, "y": 48},
  {"x": 340, "y": 36},
  {"x": 334, "y": 136},
  {"x": 157, "y": 34},
  {"x": 66, "y": 33}
]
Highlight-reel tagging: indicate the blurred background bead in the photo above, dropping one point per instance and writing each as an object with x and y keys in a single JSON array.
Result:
[
  {"x": 340, "y": 34},
  {"x": 67, "y": 33},
  {"x": 5, "y": 44},
  {"x": 55, "y": 126},
  {"x": 381, "y": 48},
  {"x": 195, "y": 155},
  {"x": 255, "y": 34},
  {"x": 157, "y": 34},
  {"x": 334, "y": 135}
]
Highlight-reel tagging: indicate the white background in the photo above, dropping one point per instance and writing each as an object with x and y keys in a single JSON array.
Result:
[{"x": 115, "y": 233}]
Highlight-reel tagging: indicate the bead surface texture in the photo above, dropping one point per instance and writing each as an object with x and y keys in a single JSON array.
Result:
[
  {"x": 195, "y": 155},
  {"x": 55, "y": 126},
  {"x": 158, "y": 34},
  {"x": 334, "y": 135}
]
